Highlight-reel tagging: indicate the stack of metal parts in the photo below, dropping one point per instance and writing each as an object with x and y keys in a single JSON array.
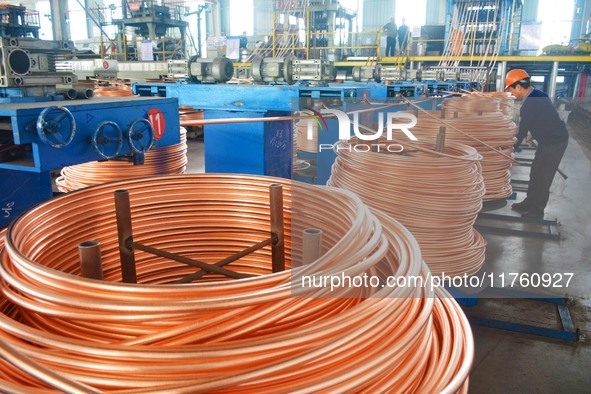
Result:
[
  {"x": 436, "y": 195},
  {"x": 61, "y": 332}
]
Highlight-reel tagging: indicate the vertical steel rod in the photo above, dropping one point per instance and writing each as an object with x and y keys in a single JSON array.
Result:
[
  {"x": 90, "y": 260},
  {"x": 278, "y": 245},
  {"x": 311, "y": 245},
  {"x": 124, "y": 231}
]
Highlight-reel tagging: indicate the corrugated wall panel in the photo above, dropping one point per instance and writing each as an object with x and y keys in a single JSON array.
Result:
[
  {"x": 376, "y": 13},
  {"x": 263, "y": 16}
]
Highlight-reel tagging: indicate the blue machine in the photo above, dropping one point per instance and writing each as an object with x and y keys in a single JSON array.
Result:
[
  {"x": 262, "y": 148},
  {"x": 38, "y": 137}
]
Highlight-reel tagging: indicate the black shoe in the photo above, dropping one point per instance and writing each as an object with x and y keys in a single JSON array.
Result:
[{"x": 521, "y": 207}]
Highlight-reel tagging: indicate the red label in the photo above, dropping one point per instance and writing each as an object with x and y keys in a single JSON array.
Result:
[
  {"x": 106, "y": 64},
  {"x": 156, "y": 118}
]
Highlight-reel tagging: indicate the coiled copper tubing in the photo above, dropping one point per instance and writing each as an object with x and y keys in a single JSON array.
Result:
[
  {"x": 264, "y": 334},
  {"x": 437, "y": 196},
  {"x": 491, "y": 133},
  {"x": 165, "y": 160}
]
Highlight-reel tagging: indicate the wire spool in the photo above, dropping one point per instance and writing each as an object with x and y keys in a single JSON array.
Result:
[
  {"x": 436, "y": 196},
  {"x": 165, "y": 160},
  {"x": 262, "y": 334},
  {"x": 491, "y": 133}
]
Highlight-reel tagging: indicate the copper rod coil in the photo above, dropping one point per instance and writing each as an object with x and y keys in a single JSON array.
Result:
[
  {"x": 507, "y": 101},
  {"x": 166, "y": 160},
  {"x": 491, "y": 133},
  {"x": 437, "y": 198},
  {"x": 251, "y": 335}
]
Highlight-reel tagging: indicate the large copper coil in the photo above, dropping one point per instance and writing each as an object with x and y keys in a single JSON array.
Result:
[
  {"x": 263, "y": 334},
  {"x": 437, "y": 196},
  {"x": 477, "y": 102},
  {"x": 491, "y": 133},
  {"x": 164, "y": 160}
]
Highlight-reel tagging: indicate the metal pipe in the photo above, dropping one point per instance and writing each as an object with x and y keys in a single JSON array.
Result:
[
  {"x": 125, "y": 235},
  {"x": 84, "y": 94},
  {"x": 69, "y": 94},
  {"x": 552, "y": 81},
  {"x": 311, "y": 245},
  {"x": 90, "y": 260},
  {"x": 277, "y": 230}
]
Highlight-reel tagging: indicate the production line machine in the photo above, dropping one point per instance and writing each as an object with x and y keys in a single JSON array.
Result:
[
  {"x": 252, "y": 128},
  {"x": 40, "y": 131}
]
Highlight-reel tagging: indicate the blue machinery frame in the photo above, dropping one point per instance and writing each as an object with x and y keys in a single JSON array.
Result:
[
  {"x": 262, "y": 148},
  {"x": 27, "y": 174}
]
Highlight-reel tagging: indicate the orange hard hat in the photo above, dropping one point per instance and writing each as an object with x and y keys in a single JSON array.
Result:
[{"x": 515, "y": 75}]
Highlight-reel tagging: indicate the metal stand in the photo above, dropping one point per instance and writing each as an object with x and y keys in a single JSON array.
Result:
[
  {"x": 127, "y": 244},
  {"x": 567, "y": 333},
  {"x": 552, "y": 228}
]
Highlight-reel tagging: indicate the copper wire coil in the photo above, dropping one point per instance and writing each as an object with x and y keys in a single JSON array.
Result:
[
  {"x": 491, "y": 133},
  {"x": 165, "y": 160},
  {"x": 476, "y": 102},
  {"x": 436, "y": 196},
  {"x": 263, "y": 334}
]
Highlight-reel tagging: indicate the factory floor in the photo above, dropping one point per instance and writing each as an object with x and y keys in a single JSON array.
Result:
[{"x": 514, "y": 362}]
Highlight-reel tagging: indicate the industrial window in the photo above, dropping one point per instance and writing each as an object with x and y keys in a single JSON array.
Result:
[{"x": 241, "y": 17}]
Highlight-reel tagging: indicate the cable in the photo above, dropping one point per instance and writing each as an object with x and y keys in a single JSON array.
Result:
[{"x": 263, "y": 334}]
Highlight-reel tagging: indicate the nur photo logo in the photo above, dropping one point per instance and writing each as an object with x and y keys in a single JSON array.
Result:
[{"x": 345, "y": 123}]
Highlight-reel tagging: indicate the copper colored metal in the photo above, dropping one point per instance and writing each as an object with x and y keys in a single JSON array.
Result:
[
  {"x": 168, "y": 160},
  {"x": 125, "y": 235},
  {"x": 264, "y": 334},
  {"x": 311, "y": 245},
  {"x": 436, "y": 195},
  {"x": 277, "y": 231},
  {"x": 477, "y": 121},
  {"x": 90, "y": 260}
]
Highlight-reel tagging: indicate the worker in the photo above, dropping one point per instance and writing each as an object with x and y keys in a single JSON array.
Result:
[
  {"x": 243, "y": 40},
  {"x": 403, "y": 37},
  {"x": 540, "y": 118},
  {"x": 391, "y": 31}
]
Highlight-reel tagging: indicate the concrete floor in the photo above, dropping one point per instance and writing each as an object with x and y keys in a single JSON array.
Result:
[{"x": 510, "y": 362}]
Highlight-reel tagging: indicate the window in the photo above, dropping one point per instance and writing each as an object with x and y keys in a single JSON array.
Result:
[
  {"x": 556, "y": 17},
  {"x": 241, "y": 17}
]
